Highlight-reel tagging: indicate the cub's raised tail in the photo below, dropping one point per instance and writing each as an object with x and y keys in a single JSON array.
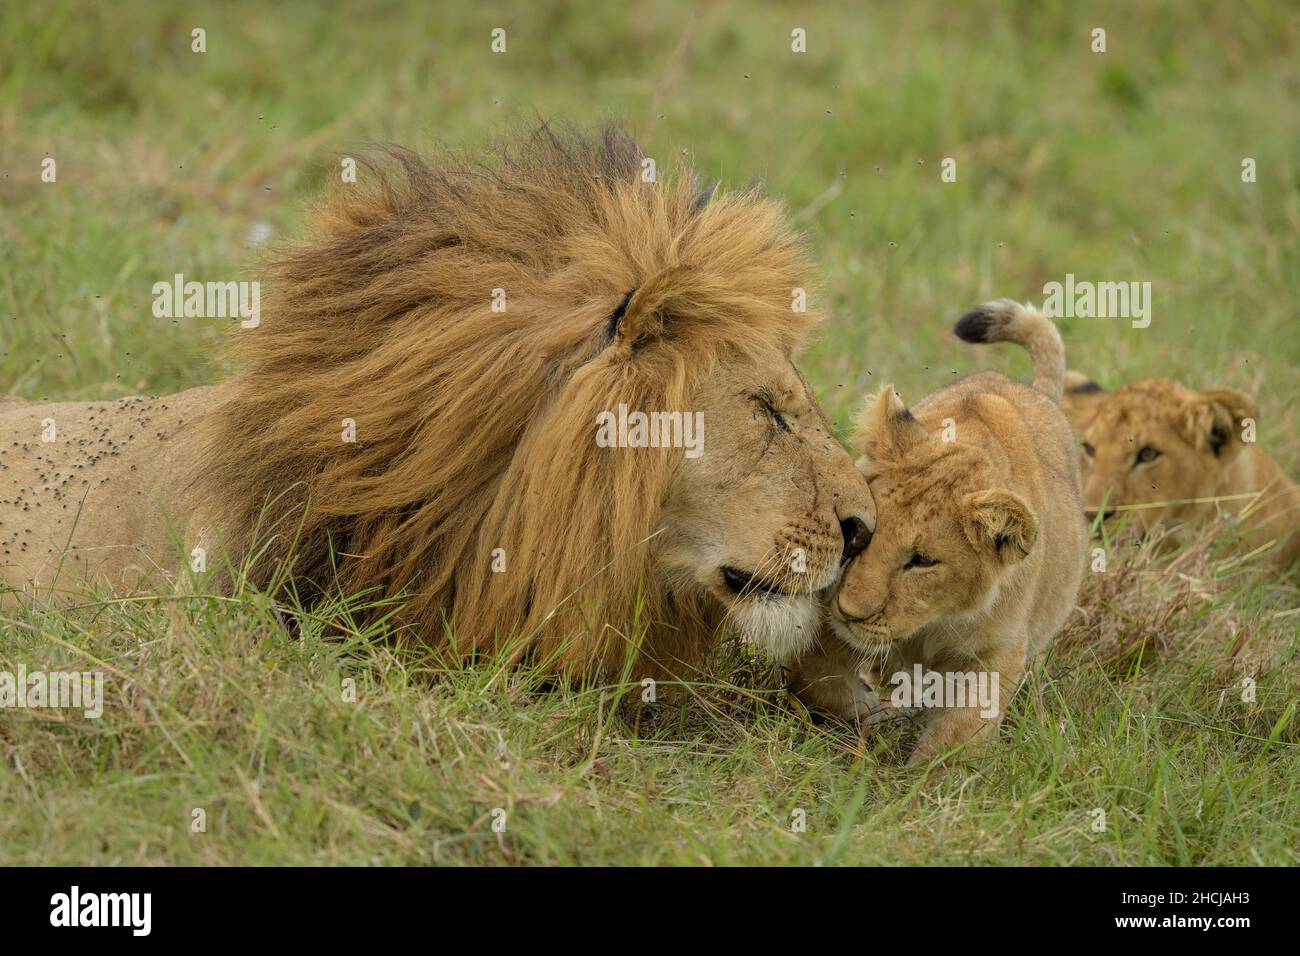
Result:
[{"x": 1005, "y": 321}]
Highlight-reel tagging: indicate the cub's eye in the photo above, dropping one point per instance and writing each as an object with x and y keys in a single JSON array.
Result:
[
  {"x": 1089, "y": 450},
  {"x": 1147, "y": 454},
  {"x": 919, "y": 561}
]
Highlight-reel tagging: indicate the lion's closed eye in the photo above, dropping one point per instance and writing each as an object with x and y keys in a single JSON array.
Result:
[{"x": 772, "y": 411}]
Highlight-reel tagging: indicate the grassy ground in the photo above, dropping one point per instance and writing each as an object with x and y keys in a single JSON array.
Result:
[{"x": 1122, "y": 165}]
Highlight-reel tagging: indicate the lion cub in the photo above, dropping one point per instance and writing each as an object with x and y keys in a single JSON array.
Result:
[
  {"x": 1185, "y": 456},
  {"x": 980, "y": 539}
]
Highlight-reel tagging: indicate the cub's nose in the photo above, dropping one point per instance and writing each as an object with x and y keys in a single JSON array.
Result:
[
  {"x": 856, "y": 537},
  {"x": 1091, "y": 513},
  {"x": 849, "y": 617}
]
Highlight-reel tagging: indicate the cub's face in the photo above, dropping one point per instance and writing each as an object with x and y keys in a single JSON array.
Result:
[
  {"x": 763, "y": 518},
  {"x": 945, "y": 532},
  {"x": 919, "y": 566},
  {"x": 1157, "y": 443},
  {"x": 939, "y": 550}
]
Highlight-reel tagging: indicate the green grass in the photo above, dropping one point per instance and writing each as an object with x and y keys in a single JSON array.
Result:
[{"x": 1123, "y": 165}]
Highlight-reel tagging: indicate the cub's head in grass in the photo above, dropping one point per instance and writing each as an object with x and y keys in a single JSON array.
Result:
[
  {"x": 579, "y": 429},
  {"x": 949, "y": 528},
  {"x": 1163, "y": 453}
]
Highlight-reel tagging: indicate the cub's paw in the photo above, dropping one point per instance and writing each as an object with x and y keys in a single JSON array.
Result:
[{"x": 844, "y": 697}]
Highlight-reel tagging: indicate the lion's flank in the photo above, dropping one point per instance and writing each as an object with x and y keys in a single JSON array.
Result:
[{"x": 474, "y": 428}]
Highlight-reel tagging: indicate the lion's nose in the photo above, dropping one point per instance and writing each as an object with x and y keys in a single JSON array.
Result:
[{"x": 856, "y": 536}]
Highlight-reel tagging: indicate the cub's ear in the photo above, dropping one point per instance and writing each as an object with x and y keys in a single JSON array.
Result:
[
  {"x": 1080, "y": 399},
  {"x": 1001, "y": 522},
  {"x": 885, "y": 430},
  {"x": 1213, "y": 421},
  {"x": 644, "y": 312}
]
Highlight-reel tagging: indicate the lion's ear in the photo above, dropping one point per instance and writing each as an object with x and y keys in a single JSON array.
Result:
[
  {"x": 1080, "y": 400},
  {"x": 885, "y": 429},
  {"x": 643, "y": 312},
  {"x": 1001, "y": 522},
  {"x": 1214, "y": 421}
]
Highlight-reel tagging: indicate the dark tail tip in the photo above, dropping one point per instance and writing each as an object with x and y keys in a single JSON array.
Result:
[{"x": 976, "y": 325}]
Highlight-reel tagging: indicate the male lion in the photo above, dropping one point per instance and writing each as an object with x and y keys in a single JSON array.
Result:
[
  {"x": 416, "y": 416},
  {"x": 1172, "y": 455}
]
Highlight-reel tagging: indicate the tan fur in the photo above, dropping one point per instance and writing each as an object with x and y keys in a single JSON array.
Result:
[
  {"x": 476, "y": 430},
  {"x": 1203, "y": 468},
  {"x": 93, "y": 503},
  {"x": 998, "y": 508},
  {"x": 1005, "y": 320}
]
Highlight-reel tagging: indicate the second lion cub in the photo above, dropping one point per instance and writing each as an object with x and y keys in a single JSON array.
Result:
[{"x": 980, "y": 540}]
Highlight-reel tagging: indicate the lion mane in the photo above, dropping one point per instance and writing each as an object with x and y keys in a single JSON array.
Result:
[{"x": 474, "y": 427}]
